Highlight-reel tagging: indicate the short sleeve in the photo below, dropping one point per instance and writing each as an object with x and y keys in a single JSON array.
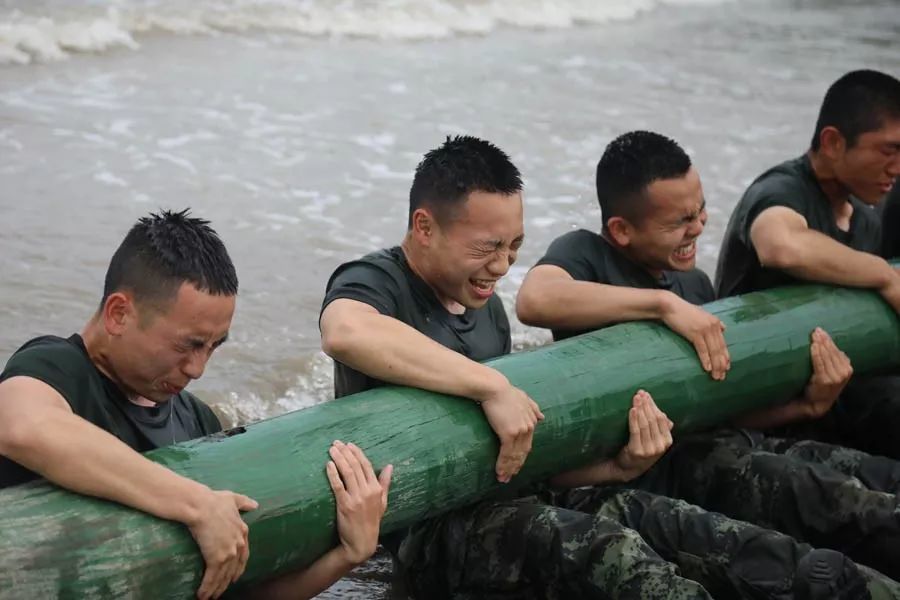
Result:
[
  {"x": 572, "y": 253},
  {"x": 58, "y": 364},
  {"x": 776, "y": 190},
  {"x": 364, "y": 282}
]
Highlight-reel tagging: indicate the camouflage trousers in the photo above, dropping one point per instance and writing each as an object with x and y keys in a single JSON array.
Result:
[
  {"x": 609, "y": 543},
  {"x": 866, "y": 417},
  {"x": 824, "y": 495}
]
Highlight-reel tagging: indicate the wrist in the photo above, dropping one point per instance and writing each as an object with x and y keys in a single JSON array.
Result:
[
  {"x": 889, "y": 277},
  {"x": 665, "y": 303},
  {"x": 349, "y": 559},
  {"x": 190, "y": 508},
  {"x": 489, "y": 385}
]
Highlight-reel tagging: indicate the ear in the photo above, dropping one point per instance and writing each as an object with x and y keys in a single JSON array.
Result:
[
  {"x": 424, "y": 227},
  {"x": 620, "y": 230},
  {"x": 832, "y": 143},
  {"x": 117, "y": 312}
]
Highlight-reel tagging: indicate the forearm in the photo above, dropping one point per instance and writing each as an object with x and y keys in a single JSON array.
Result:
[
  {"x": 300, "y": 585},
  {"x": 389, "y": 350},
  {"x": 76, "y": 455},
  {"x": 814, "y": 256},
  {"x": 596, "y": 473},
  {"x": 587, "y": 305},
  {"x": 775, "y": 416}
]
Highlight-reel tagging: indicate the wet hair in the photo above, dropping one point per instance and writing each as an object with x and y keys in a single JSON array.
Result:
[
  {"x": 857, "y": 103},
  {"x": 163, "y": 251},
  {"x": 461, "y": 165},
  {"x": 630, "y": 163}
]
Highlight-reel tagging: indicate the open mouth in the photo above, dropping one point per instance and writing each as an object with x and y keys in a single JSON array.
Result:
[
  {"x": 171, "y": 389},
  {"x": 687, "y": 251},
  {"x": 887, "y": 187},
  {"x": 483, "y": 287}
]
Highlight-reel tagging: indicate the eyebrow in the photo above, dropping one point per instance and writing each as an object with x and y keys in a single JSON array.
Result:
[
  {"x": 199, "y": 343},
  {"x": 499, "y": 243}
]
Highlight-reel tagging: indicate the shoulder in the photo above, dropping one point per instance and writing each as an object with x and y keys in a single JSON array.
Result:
[
  {"x": 63, "y": 364},
  {"x": 788, "y": 180},
  {"x": 577, "y": 252},
  {"x": 387, "y": 264},
  {"x": 379, "y": 279},
  {"x": 578, "y": 239},
  {"x": 47, "y": 353}
]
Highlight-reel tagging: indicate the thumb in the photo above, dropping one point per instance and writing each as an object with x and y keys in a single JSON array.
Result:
[{"x": 245, "y": 503}]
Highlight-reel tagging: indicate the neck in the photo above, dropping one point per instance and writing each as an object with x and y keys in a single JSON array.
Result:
[
  {"x": 420, "y": 265},
  {"x": 625, "y": 251},
  {"x": 823, "y": 170},
  {"x": 97, "y": 343}
]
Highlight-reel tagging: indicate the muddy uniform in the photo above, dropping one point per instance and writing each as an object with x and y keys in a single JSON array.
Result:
[
  {"x": 64, "y": 365},
  {"x": 528, "y": 548},
  {"x": 867, "y": 416}
]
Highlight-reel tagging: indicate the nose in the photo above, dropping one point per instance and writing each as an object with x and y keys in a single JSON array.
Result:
[
  {"x": 195, "y": 364},
  {"x": 695, "y": 228},
  {"x": 499, "y": 265},
  {"x": 894, "y": 166}
]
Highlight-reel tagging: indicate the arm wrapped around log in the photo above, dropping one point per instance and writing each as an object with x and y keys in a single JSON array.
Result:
[{"x": 54, "y": 543}]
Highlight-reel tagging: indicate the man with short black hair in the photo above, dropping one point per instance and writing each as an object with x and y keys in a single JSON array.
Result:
[
  {"x": 78, "y": 411},
  {"x": 424, "y": 314},
  {"x": 641, "y": 265},
  {"x": 653, "y": 211},
  {"x": 811, "y": 219}
]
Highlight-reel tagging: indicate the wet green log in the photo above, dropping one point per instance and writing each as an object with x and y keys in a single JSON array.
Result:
[{"x": 53, "y": 543}]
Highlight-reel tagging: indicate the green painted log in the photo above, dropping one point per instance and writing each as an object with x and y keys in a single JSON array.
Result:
[{"x": 53, "y": 543}]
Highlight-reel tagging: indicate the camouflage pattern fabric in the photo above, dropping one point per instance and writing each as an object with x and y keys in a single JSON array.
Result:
[
  {"x": 527, "y": 550},
  {"x": 807, "y": 490}
]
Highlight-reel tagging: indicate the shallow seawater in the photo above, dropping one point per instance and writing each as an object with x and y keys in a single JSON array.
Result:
[{"x": 299, "y": 141}]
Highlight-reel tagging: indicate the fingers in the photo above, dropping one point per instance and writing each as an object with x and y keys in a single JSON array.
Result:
[
  {"x": 536, "y": 410},
  {"x": 384, "y": 479},
  {"x": 244, "y": 559},
  {"x": 347, "y": 466},
  {"x": 702, "y": 349},
  {"x": 830, "y": 365},
  {"x": 660, "y": 427},
  {"x": 718, "y": 352},
  {"x": 210, "y": 582},
  {"x": 334, "y": 479},
  {"x": 816, "y": 355},
  {"x": 639, "y": 424},
  {"x": 245, "y": 503},
  {"x": 364, "y": 463}
]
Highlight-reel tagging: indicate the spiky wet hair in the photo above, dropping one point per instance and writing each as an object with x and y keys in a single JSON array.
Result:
[
  {"x": 461, "y": 165},
  {"x": 164, "y": 250}
]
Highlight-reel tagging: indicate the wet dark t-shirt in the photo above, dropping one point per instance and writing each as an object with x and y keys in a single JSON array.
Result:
[
  {"x": 64, "y": 365},
  {"x": 890, "y": 224},
  {"x": 793, "y": 185},
  {"x": 384, "y": 281},
  {"x": 587, "y": 256}
]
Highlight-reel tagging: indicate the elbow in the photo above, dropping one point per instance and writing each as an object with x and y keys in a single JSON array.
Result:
[
  {"x": 338, "y": 336},
  {"x": 529, "y": 309},
  {"x": 782, "y": 255},
  {"x": 18, "y": 437}
]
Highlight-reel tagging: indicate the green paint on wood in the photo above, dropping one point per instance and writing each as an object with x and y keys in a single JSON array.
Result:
[{"x": 54, "y": 543}]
